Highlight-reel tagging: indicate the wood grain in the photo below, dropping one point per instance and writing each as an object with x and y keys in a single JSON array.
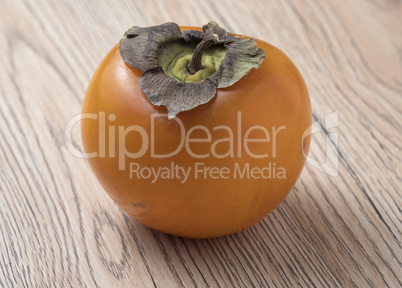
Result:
[{"x": 58, "y": 228}]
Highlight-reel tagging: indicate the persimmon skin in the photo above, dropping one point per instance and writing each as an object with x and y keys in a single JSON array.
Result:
[{"x": 273, "y": 95}]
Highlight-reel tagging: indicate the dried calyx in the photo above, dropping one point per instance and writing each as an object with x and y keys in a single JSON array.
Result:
[{"x": 184, "y": 69}]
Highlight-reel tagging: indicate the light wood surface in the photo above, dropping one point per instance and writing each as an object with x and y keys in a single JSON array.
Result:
[{"x": 58, "y": 228}]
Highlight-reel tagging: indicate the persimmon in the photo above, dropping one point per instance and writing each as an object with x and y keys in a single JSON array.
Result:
[{"x": 185, "y": 147}]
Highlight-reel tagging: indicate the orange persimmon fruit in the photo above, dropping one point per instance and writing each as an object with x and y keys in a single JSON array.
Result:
[{"x": 243, "y": 150}]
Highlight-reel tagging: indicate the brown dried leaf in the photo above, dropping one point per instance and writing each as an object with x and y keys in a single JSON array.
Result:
[{"x": 174, "y": 95}]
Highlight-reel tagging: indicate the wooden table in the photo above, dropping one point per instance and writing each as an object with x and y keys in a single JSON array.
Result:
[{"x": 58, "y": 228}]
